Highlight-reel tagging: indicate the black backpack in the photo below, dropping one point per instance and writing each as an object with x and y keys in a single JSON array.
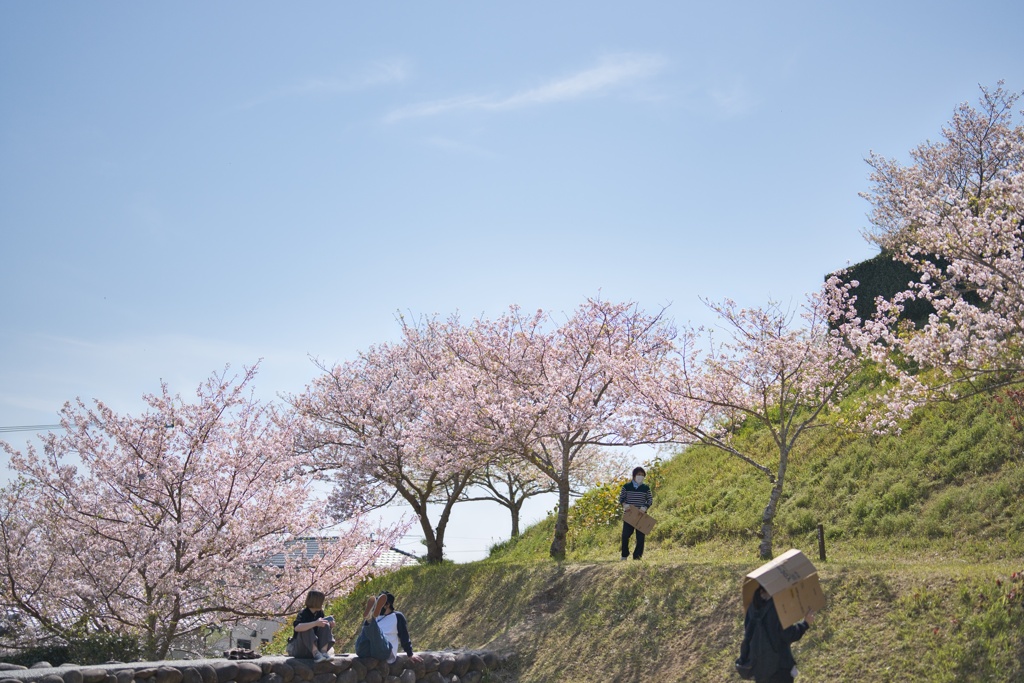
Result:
[{"x": 762, "y": 659}]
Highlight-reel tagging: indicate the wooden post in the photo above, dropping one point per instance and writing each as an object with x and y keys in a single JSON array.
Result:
[{"x": 821, "y": 542}]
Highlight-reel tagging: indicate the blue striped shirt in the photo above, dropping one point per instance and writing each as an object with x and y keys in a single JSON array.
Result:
[{"x": 637, "y": 496}]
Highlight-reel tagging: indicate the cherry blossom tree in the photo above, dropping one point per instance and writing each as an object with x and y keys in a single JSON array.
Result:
[
  {"x": 548, "y": 397},
  {"x": 164, "y": 523},
  {"x": 772, "y": 369},
  {"x": 510, "y": 481},
  {"x": 378, "y": 419},
  {"x": 956, "y": 215}
]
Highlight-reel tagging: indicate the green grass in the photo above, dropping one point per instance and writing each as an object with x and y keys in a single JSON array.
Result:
[
  {"x": 924, "y": 537},
  {"x": 952, "y": 483},
  {"x": 642, "y": 621}
]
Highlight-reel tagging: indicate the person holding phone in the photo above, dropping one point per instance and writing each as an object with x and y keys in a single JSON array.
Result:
[{"x": 311, "y": 631}]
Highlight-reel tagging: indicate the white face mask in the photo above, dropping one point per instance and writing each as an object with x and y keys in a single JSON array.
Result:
[{"x": 638, "y": 480}]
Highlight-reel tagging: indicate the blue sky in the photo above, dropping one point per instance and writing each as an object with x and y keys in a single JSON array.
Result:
[{"x": 185, "y": 185}]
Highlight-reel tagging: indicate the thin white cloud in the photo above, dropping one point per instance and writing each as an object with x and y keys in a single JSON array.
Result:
[
  {"x": 378, "y": 73},
  {"x": 612, "y": 72},
  {"x": 733, "y": 100},
  {"x": 456, "y": 146},
  {"x": 369, "y": 76}
]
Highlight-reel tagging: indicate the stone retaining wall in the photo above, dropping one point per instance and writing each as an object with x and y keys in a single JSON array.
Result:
[{"x": 436, "y": 667}]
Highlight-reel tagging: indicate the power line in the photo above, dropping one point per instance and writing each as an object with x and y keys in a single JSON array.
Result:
[{"x": 29, "y": 428}]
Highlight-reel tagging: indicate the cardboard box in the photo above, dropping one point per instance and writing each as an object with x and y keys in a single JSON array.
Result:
[
  {"x": 641, "y": 521},
  {"x": 792, "y": 581}
]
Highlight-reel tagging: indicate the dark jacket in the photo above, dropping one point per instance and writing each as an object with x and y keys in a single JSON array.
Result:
[
  {"x": 403, "y": 634},
  {"x": 779, "y": 637},
  {"x": 307, "y": 615}
]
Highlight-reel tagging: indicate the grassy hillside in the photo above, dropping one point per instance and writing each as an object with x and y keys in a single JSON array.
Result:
[
  {"x": 924, "y": 549},
  {"x": 952, "y": 486}
]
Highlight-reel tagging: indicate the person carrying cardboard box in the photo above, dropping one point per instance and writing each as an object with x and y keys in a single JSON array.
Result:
[
  {"x": 781, "y": 598},
  {"x": 635, "y": 493}
]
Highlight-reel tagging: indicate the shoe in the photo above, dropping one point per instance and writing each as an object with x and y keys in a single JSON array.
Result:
[
  {"x": 371, "y": 603},
  {"x": 379, "y": 605},
  {"x": 625, "y": 557},
  {"x": 320, "y": 656}
]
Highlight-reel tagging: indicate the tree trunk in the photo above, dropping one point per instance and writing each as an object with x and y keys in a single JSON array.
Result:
[
  {"x": 561, "y": 521},
  {"x": 149, "y": 640},
  {"x": 435, "y": 537},
  {"x": 442, "y": 525},
  {"x": 768, "y": 518},
  {"x": 435, "y": 546},
  {"x": 435, "y": 549},
  {"x": 515, "y": 509}
]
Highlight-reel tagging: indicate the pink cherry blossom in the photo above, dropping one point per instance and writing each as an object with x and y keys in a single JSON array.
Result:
[
  {"x": 385, "y": 420},
  {"x": 956, "y": 215},
  {"x": 771, "y": 367},
  {"x": 549, "y": 394},
  {"x": 167, "y": 522}
]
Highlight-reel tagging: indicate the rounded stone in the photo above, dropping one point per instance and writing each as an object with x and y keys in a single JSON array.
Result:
[
  {"x": 168, "y": 674},
  {"x": 374, "y": 677},
  {"x": 225, "y": 671},
  {"x": 302, "y": 671},
  {"x": 248, "y": 672},
  {"x": 370, "y": 663},
  {"x": 348, "y": 677},
  {"x": 462, "y": 663},
  {"x": 400, "y": 664},
  {"x": 76, "y": 676},
  {"x": 208, "y": 673},
  {"x": 125, "y": 676},
  {"x": 359, "y": 668},
  {"x": 445, "y": 664},
  {"x": 283, "y": 670},
  {"x": 472, "y": 677},
  {"x": 92, "y": 674},
  {"x": 408, "y": 676}
]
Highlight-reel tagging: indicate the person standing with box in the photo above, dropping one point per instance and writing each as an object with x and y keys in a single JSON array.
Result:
[{"x": 635, "y": 493}]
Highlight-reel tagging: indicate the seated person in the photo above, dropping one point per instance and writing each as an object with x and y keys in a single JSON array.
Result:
[
  {"x": 312, "y": 636},
  {"x": 395, "y": 628}
]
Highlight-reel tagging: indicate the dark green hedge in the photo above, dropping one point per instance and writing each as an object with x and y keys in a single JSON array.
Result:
[
  {"x": 95, "y": 648},
  {"x": 882, "y": 276}
]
